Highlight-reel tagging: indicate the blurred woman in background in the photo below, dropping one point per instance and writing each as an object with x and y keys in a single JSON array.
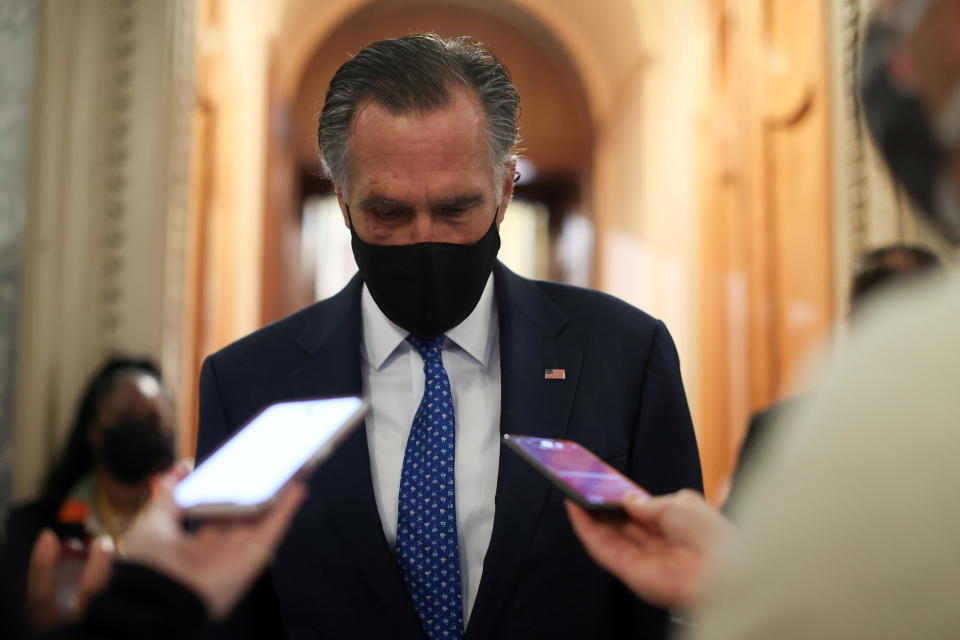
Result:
[{"x": 122, "y": 436}]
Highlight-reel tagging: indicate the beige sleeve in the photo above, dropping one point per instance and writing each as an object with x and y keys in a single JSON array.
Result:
[{"x": 850, "y": 525}]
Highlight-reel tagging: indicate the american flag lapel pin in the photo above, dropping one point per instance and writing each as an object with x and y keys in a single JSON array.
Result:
[{"x": 554, "y": 374}]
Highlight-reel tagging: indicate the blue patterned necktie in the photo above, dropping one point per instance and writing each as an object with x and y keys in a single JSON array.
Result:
[{"x": 427, "y": 516}]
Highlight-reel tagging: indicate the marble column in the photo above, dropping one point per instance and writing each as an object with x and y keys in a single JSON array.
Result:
[{"x": 18, "y": 27}]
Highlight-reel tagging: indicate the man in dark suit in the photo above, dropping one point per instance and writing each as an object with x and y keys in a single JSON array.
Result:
[{"x": 418, "y": 527}]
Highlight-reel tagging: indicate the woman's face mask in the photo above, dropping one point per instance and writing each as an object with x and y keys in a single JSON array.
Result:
[{"x": 135, "y": 448}]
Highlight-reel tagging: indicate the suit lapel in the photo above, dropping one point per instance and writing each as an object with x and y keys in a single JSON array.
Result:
[
  {"x": 530, "y": 329},
  {"x": 332, "y": 341}
]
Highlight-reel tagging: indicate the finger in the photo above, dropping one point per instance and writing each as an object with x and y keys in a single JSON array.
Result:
[
  {"x": 162, "y": 499},
  {"x": 648, "y": 511},
  {"x": 599, "y": 538},
  {"x": 636, "y": 532},
  {"x": 182, "y": 468},
  {"x": 639, "y": 566},
  {"x": 595, "y": 526},
  {"x": 606, "y": 542},
  {"x": 692, "y": 520},
  {"x": 96, "y": 572},
  {"x": 213, "y": 533},
  {"x": 43, "y": 566},
  {"x": 583, "y": 524},
  {"x": 41, "y": 580}
]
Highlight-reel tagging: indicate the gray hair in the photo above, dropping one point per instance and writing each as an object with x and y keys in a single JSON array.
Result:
[{"x": 414, "y": 74}]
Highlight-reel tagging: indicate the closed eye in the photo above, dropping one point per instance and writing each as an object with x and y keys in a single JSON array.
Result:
[
  {"x": 459, "y": 206},
  {"x": 453, "y": 212},
  {"x": 388, "y": 213}
]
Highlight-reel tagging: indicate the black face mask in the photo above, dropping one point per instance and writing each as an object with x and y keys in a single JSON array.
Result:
[
  {"x": 904, "y": 132},
  {"x": 429, "y": 287},
  {"x": 134, "y": 449}
]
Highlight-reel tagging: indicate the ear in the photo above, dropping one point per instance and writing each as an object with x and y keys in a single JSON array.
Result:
[
  {"x": 506, "y": 192},
  {"x": 343, "y": 208}
]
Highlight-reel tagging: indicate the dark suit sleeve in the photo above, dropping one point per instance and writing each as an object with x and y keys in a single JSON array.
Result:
[
  {"x": 214, "y": 424},
  {"x": 258, "y": 614},
  {"x": 664, "y": 457},
  {"x": 22, "y": 528}
]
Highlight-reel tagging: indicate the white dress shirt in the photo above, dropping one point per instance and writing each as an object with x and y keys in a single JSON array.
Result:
[{"x": 393, "y": 380}]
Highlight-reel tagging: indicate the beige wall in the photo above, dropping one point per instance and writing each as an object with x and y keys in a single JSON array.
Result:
[{"x": 646, "y": 189}]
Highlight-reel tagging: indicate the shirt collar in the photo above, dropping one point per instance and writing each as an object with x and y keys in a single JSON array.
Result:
[{"x": 474, "y": 335}]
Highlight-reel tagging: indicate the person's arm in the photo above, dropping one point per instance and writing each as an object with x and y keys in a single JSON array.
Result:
[
  {"x": 214, "y": 424},
  {"x": 174, "y": 580},
  {"x": 43, "y": 612},
  {"x": 218, "y": 561}
]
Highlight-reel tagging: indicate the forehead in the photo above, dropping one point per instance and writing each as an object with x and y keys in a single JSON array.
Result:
[
  {"x": 445, "y": 143},
  {"x": 134, "y": 391}
]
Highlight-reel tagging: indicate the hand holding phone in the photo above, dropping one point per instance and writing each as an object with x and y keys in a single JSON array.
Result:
[
  {"x": 217, "y": 561},
  {"x": 245, "y": 474},
  {"x": 575, "y": 470}
]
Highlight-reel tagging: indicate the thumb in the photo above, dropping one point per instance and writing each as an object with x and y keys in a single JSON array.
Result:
[
  {"x": 41, "y": 581},
  {"x": 163, "y": 499},
  {"x": 644, "y": 509}
]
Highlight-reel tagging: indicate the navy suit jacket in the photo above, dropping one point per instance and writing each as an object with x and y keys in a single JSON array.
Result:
[{"x": 335, "y": 576}]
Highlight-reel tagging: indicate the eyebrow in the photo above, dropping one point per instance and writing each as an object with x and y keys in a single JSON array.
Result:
[
  {"x": 464, "y": 200},
  {"x": 382, "y": 203}
]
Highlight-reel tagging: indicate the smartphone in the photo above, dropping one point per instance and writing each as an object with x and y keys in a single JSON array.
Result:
[
  {"x": 575, "y": 470},
  {"x": 245, "y": 474}
]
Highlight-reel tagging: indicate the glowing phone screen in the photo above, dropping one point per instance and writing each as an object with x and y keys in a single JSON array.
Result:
[
  {"x": 254, "y": 464},
  {"x": 582, "y": 471}
]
